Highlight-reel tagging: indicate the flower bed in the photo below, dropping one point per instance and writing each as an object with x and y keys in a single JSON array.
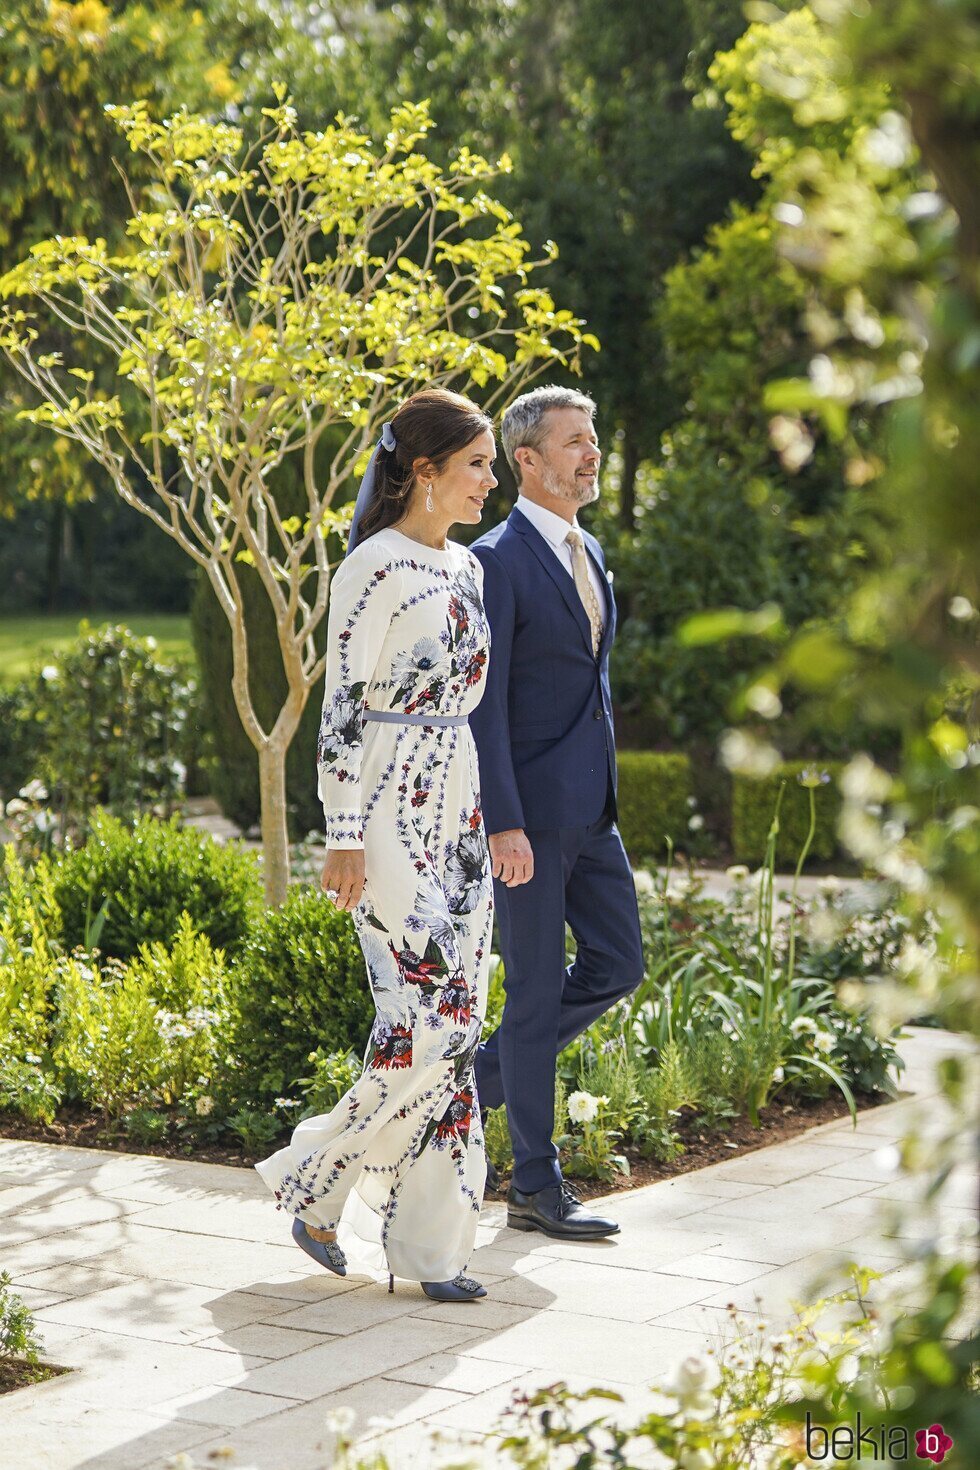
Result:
[{"x": 184, "y": 1045}]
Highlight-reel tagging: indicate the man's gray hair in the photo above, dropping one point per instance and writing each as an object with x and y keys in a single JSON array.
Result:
[{"x": 524, "y": 424}]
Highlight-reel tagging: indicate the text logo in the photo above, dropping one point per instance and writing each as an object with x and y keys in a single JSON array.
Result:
[{"x": 932, "y": 1444}]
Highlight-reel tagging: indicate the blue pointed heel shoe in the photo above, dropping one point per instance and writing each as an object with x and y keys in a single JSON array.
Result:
[
  {"x": 460, "y": 1289},
  {"x": 326, "y": 1253}
]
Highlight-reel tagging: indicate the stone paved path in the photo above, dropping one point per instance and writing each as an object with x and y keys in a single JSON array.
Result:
[{"x": 193, "y": 1323}]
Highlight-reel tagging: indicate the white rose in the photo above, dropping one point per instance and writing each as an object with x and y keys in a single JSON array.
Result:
[
  {"x": 694, "y": 1374},
  {"x": 583, "y": 1107}
]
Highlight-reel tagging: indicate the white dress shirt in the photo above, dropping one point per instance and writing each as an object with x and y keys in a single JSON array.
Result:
[{"x": 554, "y": 529}]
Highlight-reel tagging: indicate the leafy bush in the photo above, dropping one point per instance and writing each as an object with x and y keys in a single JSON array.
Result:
[
  {"x": 653, "y": 796},
  {"x": 20, "y": 737},
  {"x": 112, "y": 716},
  {"x": 30, "y": 925},
  {"x": 152, "y": 873},
  {"x": 298, "y": 985},
  {"x": 107, "y": 1046},
  {"x": 18, "y": 1337},
  {"x": 753, "y": 802}
]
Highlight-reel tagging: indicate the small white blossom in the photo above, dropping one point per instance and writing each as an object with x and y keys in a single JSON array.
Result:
[
  {"x": 824, "y": 1042},
  {"x": 737, "y": 873},
  {"x": 49, "y": 673},
  {"x": 339, "y": 1420},
  {"x": 693, "y": 1379},
  {"x": 583, "y": 1107},
  {"x": 695, "y": 823},
  {"x": 746, "y": 756},
  {"x": 203, "y": 1106}
]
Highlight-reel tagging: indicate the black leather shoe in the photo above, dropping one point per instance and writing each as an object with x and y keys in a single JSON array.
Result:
[{"x": 556, "y": 1210}]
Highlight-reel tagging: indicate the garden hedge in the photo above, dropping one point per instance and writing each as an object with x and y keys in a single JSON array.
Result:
[
  {"x": 654, "y": 787},
  {"x": 151, "y": 873},
  {"x": 298, "y": 985},
  {"x": 753, "y": 804}
]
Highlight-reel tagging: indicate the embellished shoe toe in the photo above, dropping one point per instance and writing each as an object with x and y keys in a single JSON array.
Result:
[
  {"x": 326, "y": 1253},
  {"x": 460, "y": 1289}
]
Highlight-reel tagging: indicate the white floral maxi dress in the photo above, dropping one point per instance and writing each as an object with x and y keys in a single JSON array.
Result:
[{"x": 398, "y": 1166}]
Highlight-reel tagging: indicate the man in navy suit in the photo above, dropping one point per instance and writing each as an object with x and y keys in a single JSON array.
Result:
[{"x": 544, "y": 736}]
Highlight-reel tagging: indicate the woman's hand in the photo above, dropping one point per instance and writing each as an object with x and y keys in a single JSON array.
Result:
[{"x": 342, "y": 879}]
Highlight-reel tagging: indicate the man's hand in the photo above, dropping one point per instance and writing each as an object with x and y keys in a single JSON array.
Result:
[
  {"x": 342, "y": 879},
  {"x": 511, "y": 858}
]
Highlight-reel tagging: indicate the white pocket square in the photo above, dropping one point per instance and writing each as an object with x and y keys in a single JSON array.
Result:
[{"x": 609, "y": 576}]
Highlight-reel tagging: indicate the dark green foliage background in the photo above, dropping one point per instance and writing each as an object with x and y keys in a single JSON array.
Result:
[{"x": 753, "y": 804}]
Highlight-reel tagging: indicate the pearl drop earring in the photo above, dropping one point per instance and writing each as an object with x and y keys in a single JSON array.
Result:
[{"x": 428, "y": 498}]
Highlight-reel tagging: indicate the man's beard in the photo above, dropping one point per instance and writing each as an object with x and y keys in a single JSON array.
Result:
[{"x": 578, "y": 491}]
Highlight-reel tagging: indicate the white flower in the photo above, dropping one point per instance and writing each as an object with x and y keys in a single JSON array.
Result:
[
  {"x": 693, "y": 1379},
  {"x": 583, "y": 1107},
  {"x": 829, "y": 886},
  {"x": 760, "y": 698},
  {"x": 778, "y": 1075},
  {"x": 737, "y": 873},
  {"x": 962, "y": 609},
  {"x": 203, "y": 1106},
  {"x": 695, "y": 823},
  {"x": 747, "y": 756},
  {"x": 862, "y": 781},
  {"x": 696, "y": 1460},
  {"x": 339, "y": 1420},
  {"x": 426, "y": 656},
  {"x": 824, "y": 1042},
  {"x": 801, "y": 1025},
  {"x": 49, "y": 673}
]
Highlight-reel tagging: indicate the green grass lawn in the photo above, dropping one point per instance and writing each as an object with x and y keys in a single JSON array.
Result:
[{"x": 26, "y": 641}]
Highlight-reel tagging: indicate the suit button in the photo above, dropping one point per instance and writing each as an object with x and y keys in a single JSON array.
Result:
[{"x": 597, "y": 714}]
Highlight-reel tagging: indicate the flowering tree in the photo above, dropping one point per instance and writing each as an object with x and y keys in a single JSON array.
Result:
[{"x": 270, "y": 305}]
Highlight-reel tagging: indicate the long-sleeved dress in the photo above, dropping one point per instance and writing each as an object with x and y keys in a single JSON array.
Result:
[{"x": 398, "y": 1166}]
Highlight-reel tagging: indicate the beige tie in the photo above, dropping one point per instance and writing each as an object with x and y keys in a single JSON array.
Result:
[{"x": 586, "y": 591}]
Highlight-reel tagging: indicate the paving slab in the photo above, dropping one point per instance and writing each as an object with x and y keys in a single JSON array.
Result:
[{"x": 193, "y": 1324}]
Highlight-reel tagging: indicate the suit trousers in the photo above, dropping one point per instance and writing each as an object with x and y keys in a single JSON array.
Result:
[{"x": 581, "y": 876}]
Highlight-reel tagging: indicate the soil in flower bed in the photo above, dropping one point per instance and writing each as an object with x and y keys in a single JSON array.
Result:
[
  {"x": 779, "y": 1121},
  {"x": 15, "y": 1373}
]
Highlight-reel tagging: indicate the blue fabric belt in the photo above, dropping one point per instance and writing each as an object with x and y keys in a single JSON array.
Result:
[{"x": 392, "y": 717}]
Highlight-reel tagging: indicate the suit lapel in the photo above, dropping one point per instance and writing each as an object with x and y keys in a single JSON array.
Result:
[{"x": 563, "y": 580}]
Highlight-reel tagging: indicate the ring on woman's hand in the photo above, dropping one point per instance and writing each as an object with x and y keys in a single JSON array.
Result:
[{"x": 331, "y": 893}]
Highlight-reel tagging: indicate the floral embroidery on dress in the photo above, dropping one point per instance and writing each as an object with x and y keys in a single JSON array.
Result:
[{"x": 407, "y": 635}]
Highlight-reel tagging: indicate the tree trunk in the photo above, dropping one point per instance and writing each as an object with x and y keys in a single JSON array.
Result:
[{"x": 275, "y": 836}]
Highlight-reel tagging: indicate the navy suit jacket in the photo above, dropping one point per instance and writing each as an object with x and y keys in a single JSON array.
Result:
[{"x": 544, "y": 728}]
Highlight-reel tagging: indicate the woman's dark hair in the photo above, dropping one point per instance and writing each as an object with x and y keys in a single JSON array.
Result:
[{"x": 433, "y": 425}]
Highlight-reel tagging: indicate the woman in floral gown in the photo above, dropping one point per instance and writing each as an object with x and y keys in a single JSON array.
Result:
[{"x": 395, "y": 1173}]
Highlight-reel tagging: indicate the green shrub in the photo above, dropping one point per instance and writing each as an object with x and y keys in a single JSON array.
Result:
[
  {"x": 18, "y": 1336},
  {"x": 20, "y": 737},
  {"x": 152, "y": 873},
  {"x": 113, "y": 716},
  {"x": 30, "y": 926},
  {"x": 753, "y": 804},
  {"x": 107, "y": 1044},
  {"x": 299, "y": 985},
  {"x": 653, "y": 794}
]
